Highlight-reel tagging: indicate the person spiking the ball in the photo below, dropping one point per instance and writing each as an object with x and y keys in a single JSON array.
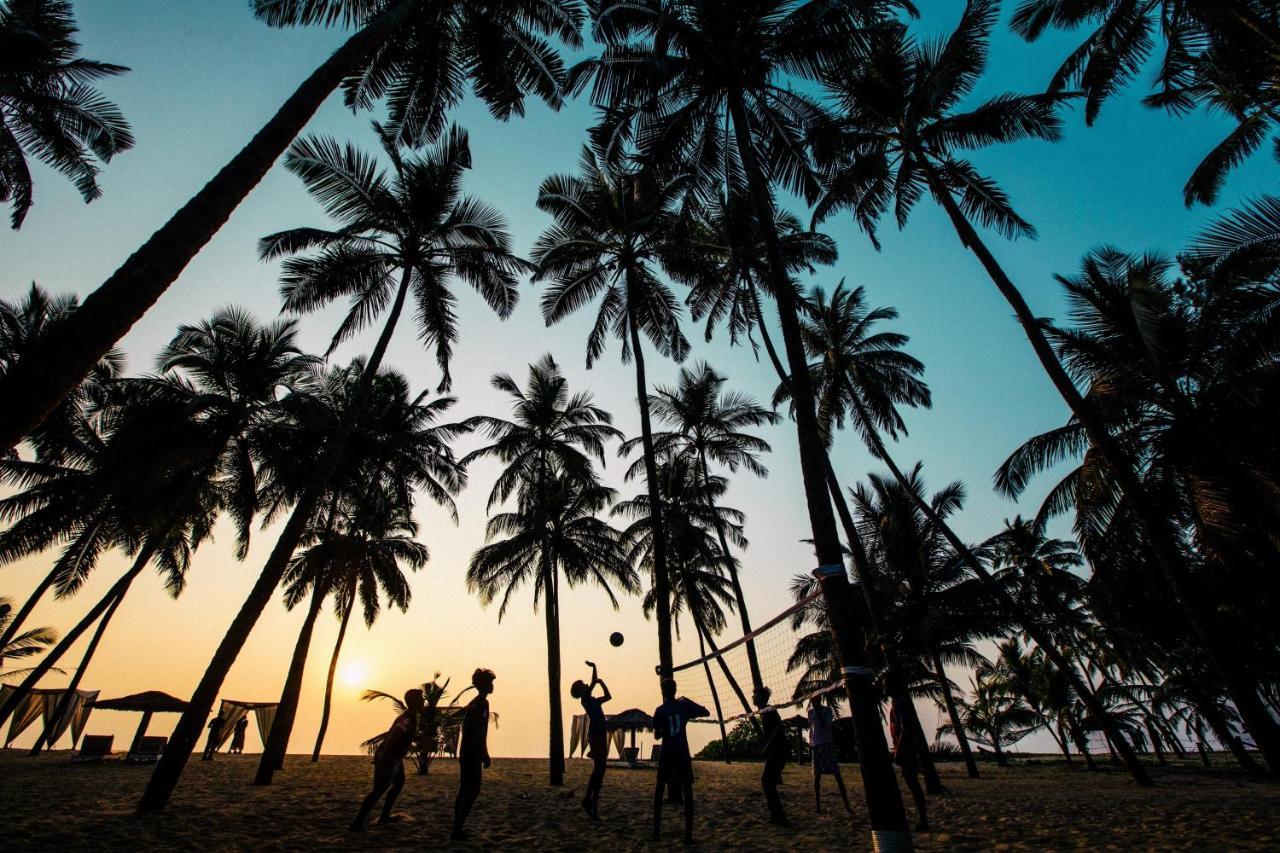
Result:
[
  {"x": 675, "y": 764},
  {"x": 597, "y": 735}
]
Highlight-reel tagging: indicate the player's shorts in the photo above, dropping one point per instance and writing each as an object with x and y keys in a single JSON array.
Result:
[
  {"x": 824, "y": 759},
  {"x": 598, "y": 747},
  {"x": 677, "y": 772}
]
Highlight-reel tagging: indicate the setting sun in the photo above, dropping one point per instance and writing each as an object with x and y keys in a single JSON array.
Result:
[{"x": 354, "y": 673}]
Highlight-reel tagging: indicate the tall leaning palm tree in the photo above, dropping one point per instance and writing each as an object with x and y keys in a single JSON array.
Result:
[
  {"x": 896, "y": 139},
  {"x": 553, "y": 533},
  {"x": 704, "y": 84},
  {"x": 49, "y": 108},
  {"x": 408, "y": 233},
  {"x": 552, "y": 437},
  {"x": 614, "y": 230},
  {"x": 418, "y": 55},
  {"x": 709, "y": 425}
]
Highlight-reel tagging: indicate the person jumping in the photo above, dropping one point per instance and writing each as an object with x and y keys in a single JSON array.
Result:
[
  {"x": 675, "y": 764},
  {"x": 388, "y": 761},
  {"x": 597, "y": 736},
  {"x": 473, "y": 752}
]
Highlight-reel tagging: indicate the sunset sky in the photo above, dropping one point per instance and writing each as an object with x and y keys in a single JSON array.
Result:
[{"x": 206, "y": 74}]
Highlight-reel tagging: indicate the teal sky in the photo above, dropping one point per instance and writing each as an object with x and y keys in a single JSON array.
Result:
[{"x": 206, "y": 75}]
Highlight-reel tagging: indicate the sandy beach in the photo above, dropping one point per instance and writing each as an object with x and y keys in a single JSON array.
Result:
[{"x": 50, "y": 804}]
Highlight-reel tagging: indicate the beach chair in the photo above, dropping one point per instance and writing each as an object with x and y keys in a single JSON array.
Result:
[
  {"x": 148, "y": 751},
  {"x": 655, "y": 752},
  {"x": 93, "y": 748}
]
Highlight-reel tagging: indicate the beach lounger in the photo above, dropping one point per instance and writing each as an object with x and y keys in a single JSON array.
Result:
[
  {"x": 94, "y": 748},
  {"x": 148, "y": 751},
  {"x": 655, "y": 752}
]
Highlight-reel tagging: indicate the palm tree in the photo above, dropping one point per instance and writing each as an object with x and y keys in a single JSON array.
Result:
[
  {"x": 418, "y": 54},
  {"x": 895, "y": 140},
  {"x": 22, "y": 323},
  {"x": 553, "y": 532},
  {"x": 361, "y": 562},
  {"x": 395, "y": 450},
  {"x": 146, "y": 484},
  {"x": 1177, "y": 371},
  {"x": 702, "y": 84},
  {"x": 1221, "y": 53},
  {"x": 709, "y": 425},
  {"x": 613, "y": 229},
  {"x": 364, "y": 550},
  {"x": 160, "y": 455},
  {"x": 49, "y": 108},
  {"x": 552, "y": 438},
  {"x": 17, "y": 646},
  {"x": 700, "y": 571},
  {"x": 995, "y": 717},
  {"x": 415, "y": 226}
]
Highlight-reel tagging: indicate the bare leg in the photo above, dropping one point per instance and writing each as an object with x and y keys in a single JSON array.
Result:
[
  {"x": 844, "y": 795},
  {"x": 687, "y": 789},
  {"x": 912, "y": 778},
  {"x": 657, "y": 810},
  {"x": 397, "y": 782},
  {"x": 817, "y": 792}
]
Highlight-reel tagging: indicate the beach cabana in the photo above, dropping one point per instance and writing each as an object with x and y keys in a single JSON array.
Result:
[
  {"x": 232, "y": 711},
  {"x": 148, "y": 703},
  {"x": 632, "y": 720},
  {"x": 42, "y": 704}
]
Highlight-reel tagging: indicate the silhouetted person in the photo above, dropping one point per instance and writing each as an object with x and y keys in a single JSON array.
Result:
[
  {"x": 776, "y": 753},
  {"x": 388, "y": 761},
  {"x": 822, "y": 748},
  {"x": 473, "y": 752},
  {"x": 597, "y": 736},
  {"x": 215, "y": 737},
  {"x": 237, "y": 735},
  {"x": 908, "y": 761},
  {"x": 675, "y": 764}
]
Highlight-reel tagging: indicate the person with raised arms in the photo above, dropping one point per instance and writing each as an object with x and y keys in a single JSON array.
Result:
[
  {"x": 675, "y": 763},
  {"x": 597, "y": 736}
]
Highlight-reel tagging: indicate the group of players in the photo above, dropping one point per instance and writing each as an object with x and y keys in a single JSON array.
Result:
[{"x": 675, "y": 761}]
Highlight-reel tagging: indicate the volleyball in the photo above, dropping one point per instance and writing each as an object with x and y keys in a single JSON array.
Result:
[{"x": 615, "y": 639}]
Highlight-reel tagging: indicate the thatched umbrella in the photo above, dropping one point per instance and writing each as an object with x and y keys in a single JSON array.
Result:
[
  {"x": 631, "y": 720},
  {"x": 149, "y": 702}
]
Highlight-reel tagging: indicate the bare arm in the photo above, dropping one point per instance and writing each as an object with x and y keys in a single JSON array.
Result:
[{"x": 607, "y": 695}]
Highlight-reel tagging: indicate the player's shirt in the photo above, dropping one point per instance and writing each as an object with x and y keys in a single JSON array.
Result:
[
  {"x": 594, "y": 708},
  {"x": 395, "y": 746},
  {"x": 475, "y": 732},
  {"x": 776, "y": 747},
  {"x": 669, "y": 726},
  {"x": 820, "y": 721}
]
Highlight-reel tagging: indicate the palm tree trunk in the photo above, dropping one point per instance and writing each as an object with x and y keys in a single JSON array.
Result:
[
  {"x": 551, "y": 610},
  {"x": 1157, "y": 744},
  {"x": 108, "y": 600},
  {"x": 715, "y": 697},
  {"x": 885, "y": 811},
  {"x": 1062, "y": 738},
  {"x": 731, "y": 565},
  {"x": 176, "y": 754},
  {"x": 333, "y": 667},
  {"x": 1001, "y": 761},
  {"x": 953, "y": 713},
  {"x": 65, "y": 702},
  {"x": 1240, "y": 686},
  {"x": 1041, "y": 637},
  {"x": 34, "y": 386},
  {"x": 20, "y": 618},
  {"x": 1222, "y": 731},
  {"x": 661, "y": 581},
  {"x": 1081, "y": 741},
  {"x": 273, "y": 751}
]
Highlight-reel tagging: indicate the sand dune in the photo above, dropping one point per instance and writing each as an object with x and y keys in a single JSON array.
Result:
[{"x": 49, "y": 804}]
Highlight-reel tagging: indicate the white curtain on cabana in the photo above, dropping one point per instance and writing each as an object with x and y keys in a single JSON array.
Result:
[
  {"x": 42, "y": 704},
  {"x": 232, "y": 712}
]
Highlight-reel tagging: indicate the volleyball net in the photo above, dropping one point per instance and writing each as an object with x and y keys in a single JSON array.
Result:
[{"x": 794, "y": 655}]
